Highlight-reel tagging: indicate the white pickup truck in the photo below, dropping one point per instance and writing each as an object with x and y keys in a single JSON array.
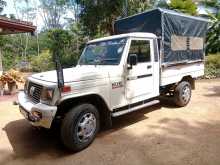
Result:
[{"x": 115, "y": 75}]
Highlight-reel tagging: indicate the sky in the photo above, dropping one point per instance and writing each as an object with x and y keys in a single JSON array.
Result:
[
  {"x": 10, "y": 9},
  {"x": 38, "y": 21}
]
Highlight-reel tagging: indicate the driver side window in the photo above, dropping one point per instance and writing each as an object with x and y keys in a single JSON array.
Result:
[{"x": 142, "y": 49}]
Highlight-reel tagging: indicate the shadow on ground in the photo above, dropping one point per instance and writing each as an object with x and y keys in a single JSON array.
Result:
[
  {"x": 28, "y": 141},
  {"x": 215, "y": 91}
]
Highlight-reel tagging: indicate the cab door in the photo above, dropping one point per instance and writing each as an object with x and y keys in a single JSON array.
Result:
[{"x": 139, "y": 78}]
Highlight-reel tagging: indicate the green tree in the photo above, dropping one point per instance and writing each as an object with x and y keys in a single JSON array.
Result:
[
  {"x": 67, "y": 43},
  {"x": 162, "y": 4},
  {"x": 185, "y": 6},
  {"x": 212, "y": 3},
  {"x": 52, "y": 11},
  {"x": 78, "y": 40},
  {"x": 137, "y": 6},
  {"x": 59, "y": 42},
  {"x": 98, "y": 16},
  {"x": 213, "y": 35},
  {"x": 2, "y": 5}
]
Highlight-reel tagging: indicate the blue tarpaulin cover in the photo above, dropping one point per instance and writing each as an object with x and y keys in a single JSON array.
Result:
[{"x": 181, "y": 36}]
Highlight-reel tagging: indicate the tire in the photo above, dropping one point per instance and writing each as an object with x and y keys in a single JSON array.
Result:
[
  {"x": 182, "y": 94},
  {"x": 79, "y": 127}
]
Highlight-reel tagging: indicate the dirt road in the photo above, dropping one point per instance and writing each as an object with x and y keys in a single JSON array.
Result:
[{"x": 160, "y": 135}]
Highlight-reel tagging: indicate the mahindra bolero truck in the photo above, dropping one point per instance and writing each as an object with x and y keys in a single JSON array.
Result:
[{"x": 152, "y": 54}]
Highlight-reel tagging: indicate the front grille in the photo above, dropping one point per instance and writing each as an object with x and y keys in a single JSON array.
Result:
[{"x": 34, "y": 91}]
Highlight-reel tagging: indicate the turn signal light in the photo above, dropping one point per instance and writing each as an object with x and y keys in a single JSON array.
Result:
[
  {"x": 35, "y": 116},
  {"x": 66, "y": 89}
]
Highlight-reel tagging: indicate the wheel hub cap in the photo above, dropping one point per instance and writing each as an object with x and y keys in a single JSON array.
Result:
[
  {"x": 186, "y": 93},
  {"x": 86, "y": 127}
]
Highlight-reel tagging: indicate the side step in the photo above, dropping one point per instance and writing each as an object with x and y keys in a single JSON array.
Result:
[{"x": 115, "y": 114}]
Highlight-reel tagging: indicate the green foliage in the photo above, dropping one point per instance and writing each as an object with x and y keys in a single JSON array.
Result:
[
  {"x": 185, "y": 6},
  {"x": 51, "y": 6},
  {"x": 15, "y": 44},
  {"x": 14, "y": 61},
  {"x": 213, "y": 37},
  {"x": 43, "y": 62},
  {"x": 9, "y": 61},
  {"x": 78, "y": 42},
  {"x": 9, "y": 52},
  {"x": 98, "y": 16},
  {"x": 68, "y": 44},
  {"x": 211, "y": 3},
  {"x": 12, "y": 16},
  {"x": 212, "y": 66},
  {"x": 213, "y": 60},
  {"x": 162, "y": 4},
  {"x": 137, "y": 6},
  {"x": 59, "y": 40},
  {"x": 52, "y": 12},
  {"x": 2, "y": 5}
]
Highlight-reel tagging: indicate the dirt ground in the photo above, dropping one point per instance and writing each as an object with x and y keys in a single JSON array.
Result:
[{"x": 160, "y": 135}]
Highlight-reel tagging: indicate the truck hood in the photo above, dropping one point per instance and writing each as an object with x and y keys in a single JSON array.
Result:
[{"x": 79, "y": 73}]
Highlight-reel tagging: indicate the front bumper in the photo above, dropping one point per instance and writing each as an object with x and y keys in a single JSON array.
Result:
[{"x": 27, "y": 108}]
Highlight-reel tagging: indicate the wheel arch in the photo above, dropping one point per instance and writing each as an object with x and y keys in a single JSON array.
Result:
[
  {"x": 189, "y": 79},
  {"x": 94, "y": 99}
]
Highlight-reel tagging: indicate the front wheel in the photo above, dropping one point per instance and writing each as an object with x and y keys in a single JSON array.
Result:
[
  {"x": 182, "y": 94},
  {"x": 79, "y": 127}
]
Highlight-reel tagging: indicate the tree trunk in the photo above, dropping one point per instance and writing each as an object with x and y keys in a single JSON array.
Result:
[
  {"x": 1, "y": 66},
  {"x": 25, "y": 49}
]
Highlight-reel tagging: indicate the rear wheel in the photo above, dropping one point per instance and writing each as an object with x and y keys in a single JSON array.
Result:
[
  {"x": 182, "y": 94},
  {"x": 80, "y": 127}
]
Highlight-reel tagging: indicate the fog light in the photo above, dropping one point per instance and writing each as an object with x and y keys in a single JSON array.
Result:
[{"x": 35, "y": 116}]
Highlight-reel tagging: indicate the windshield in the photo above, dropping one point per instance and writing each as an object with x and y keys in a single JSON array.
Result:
[{"x": 103, "y": 53}]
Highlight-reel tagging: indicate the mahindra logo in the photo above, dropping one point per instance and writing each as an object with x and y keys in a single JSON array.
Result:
[{"x": 32, "y": 89}]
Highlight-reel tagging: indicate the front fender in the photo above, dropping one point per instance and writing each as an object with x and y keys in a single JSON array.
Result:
[{"x": 102, "y": 93}]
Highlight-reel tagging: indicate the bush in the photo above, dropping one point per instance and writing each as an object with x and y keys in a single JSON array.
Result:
[
  {"x": 212, "y": 66},
  {"x": 9, "y": 61},
  {"x": 43, "y": 62}
]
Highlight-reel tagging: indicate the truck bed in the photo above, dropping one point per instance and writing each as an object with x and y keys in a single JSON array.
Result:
[{"x": 174, "y": 73}]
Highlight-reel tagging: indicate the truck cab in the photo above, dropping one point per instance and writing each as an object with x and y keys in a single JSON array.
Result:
[{"x": 132, "y": 64}]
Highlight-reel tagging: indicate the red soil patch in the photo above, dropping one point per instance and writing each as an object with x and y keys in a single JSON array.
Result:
[{"x": 8, "y": 98}]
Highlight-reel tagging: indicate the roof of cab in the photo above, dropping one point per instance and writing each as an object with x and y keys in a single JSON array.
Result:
[{"x": 136, "y": 34}]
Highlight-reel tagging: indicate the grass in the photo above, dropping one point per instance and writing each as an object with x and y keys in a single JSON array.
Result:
[{"x": 212, "y": 66}]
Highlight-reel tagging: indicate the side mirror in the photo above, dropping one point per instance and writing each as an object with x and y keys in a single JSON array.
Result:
[{"x": 132, "y": 60}]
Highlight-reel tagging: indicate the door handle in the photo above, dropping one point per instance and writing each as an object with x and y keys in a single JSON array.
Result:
[{"x": 149, "y": 66}]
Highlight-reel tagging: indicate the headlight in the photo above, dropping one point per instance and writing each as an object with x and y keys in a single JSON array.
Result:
[{"x": 47, "y": 96}]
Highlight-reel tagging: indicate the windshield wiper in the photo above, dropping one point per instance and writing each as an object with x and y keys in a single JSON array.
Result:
[
  {"x": 101, "y": 61},
  {"x": 107, "y": 60}
]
